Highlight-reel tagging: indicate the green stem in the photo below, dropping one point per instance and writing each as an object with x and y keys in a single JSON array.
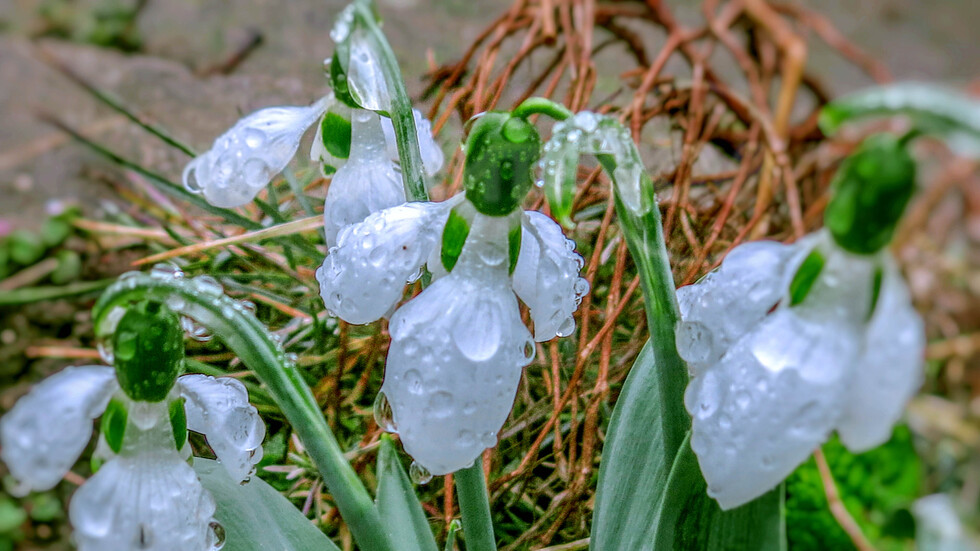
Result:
[
  {"x": 542, "y": 106},
  {"x": 645, "y": 240},
  {"x": 248, "y": 338},
  {"x": 474, "y": 504},
  {"x": 402, "y": 118}
]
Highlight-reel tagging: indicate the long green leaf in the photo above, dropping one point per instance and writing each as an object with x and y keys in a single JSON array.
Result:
[
  {"x": 689, "y": 519},
  {"x": 256, "y": 517},
  {"x": 398, "y": 505}
]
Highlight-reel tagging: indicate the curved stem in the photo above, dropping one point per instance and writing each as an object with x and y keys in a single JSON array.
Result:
[
  {"x": 248, "y": 338},
  {"x": 474, "y": 504},
  {"x": 402, "y": 118},
  {"x": 541, "y": 106}
]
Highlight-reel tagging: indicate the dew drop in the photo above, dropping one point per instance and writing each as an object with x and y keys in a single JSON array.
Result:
[
  {"x": 208, "y": 285},
  {"x": 217, "y": 535},
  {"x": 469, "y": 408},
  {"x": 441, "y": 404},
  {"x": 528, "y": 350},
  {"x": 126, "y": 345},
  {"x": 166, "y": 270},
  {"x": 413, "y": 380},
  {"x": 254, "y": 138},
  {"x": 383, "y": 415},
  {"x": 418, "y": 473},
  {"x": 195, "y": 330},
  {"x": 489, "y": 439},
  {"x": 105, "y": 351},
  {"x": 465, "y": 439},
  {"x": 742, "y": 399},
  {"x": 567, "y": 327}
]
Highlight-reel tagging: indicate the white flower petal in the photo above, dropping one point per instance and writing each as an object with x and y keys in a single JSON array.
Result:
[
  {"x": 757, "y": 413},
  {"x": 150, "y": 501},
  {"x": 455, "y": 361},
  {"x": 547, "y": 276},
  {"x": 889, "y": 371},
  {"x": 726, "y": 303},
  {"x": 46, "y": 431},
  {"x": 219, "y": 409},
  {"x": 366, "y": 184},
  {"x": 364, "y": 275},
  {"x": 244, "y": 159},
  {"x": 432, "y": 156}
]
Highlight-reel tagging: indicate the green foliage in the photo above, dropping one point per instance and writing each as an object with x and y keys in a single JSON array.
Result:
[
  {"x": 399, "y": 506},
  {"x": 876, "y": 487}
]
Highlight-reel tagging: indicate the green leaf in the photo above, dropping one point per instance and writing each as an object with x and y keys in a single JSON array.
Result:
[
  {"x": 690, "y": 519},
  {"x": 454, "y": 528},
  {"x": 933, "y": 109},
  {"x": 399, "y": 506},
  {"x": 255, "y": 516}
]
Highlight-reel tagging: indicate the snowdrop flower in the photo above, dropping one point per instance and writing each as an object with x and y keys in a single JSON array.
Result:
[
  {"x": 364, "y": 152},
  {"x": 787, "y": 343},
  {"x": 145, "y": 495},
  {"x": 244, "y": 159},
  {"x": 459, "y": 347}
]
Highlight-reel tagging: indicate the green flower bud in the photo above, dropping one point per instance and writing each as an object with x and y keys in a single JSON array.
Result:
[
  {"x": 870, "y": 193},
  {"x": 148, "y": 351},
  {"x": 501, "y": 152}
]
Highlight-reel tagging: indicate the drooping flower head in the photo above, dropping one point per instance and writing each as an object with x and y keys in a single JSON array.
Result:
[
  {"x": 244, "y": 159},
  {"x": 144, "y": 495},
  {"x": 459, "y": 347},
  {"x": 787, "y": 343}
]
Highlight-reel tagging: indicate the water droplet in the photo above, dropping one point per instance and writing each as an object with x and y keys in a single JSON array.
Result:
[
  {"x": 469, "y": 408},
  {"x": 383, "y": 415},
  {"x": 217, "y": 535},
  {"x": 418, "y": 473},
  {"x": 695, "y": 342},
  {"x": 742, "y": 399},
  {"x": 725, "y": 422},
  {"x": 195, "y": 330},
  {"x": 105, "y": 351},
  {"x": 528, "y": 350},
  {"x": 248, "y": 306},
  {"x": 493, "y": 254},
  {"x": 567, "y": 327},
  {"x": 413, "y": 381},
  {"x": 465, "y": 439},
  {"x": 489, "y": 439},
  {"x": 166, "y": 270},
  {"x": 254, "y": 138},
  {"x": 208, "y": 285},
  {"x": 441, "y": 404},
  {"x": 125, "y": 347}
]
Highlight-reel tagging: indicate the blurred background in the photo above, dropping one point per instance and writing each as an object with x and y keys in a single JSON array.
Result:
[{"x": 195, "y": 66}]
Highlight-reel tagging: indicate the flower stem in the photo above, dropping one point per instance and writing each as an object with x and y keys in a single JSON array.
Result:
[
  {"x": 249, "y": 339},
  {"x": 541, "y": 106},
  {"x": 645, "y": 240},
  {"x": 471, "y": 487},
  {"x": 402, "y": 118}
]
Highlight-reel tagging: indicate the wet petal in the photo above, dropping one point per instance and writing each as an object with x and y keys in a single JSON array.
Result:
[
  {"x": 726, "y": 303},
  {"x": 547, "y": 276},
  {"x": 150, "y": 501},
  {"x": 219, "y": 409},
  {"x": 244, "y": 159},
  {"x": 366, "y": 184},
  {"x": 46, "y": 431},
  {"x": 318, "y": 151},
  {"x": 455, "y": 361},
  {"x": 365, "y": 78},
  {"x": 432, "y": 156},
  {"x": 758, "y": 413},
  {"x": 889, "y": 371},
  {"x": 364, "y": 275}
]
